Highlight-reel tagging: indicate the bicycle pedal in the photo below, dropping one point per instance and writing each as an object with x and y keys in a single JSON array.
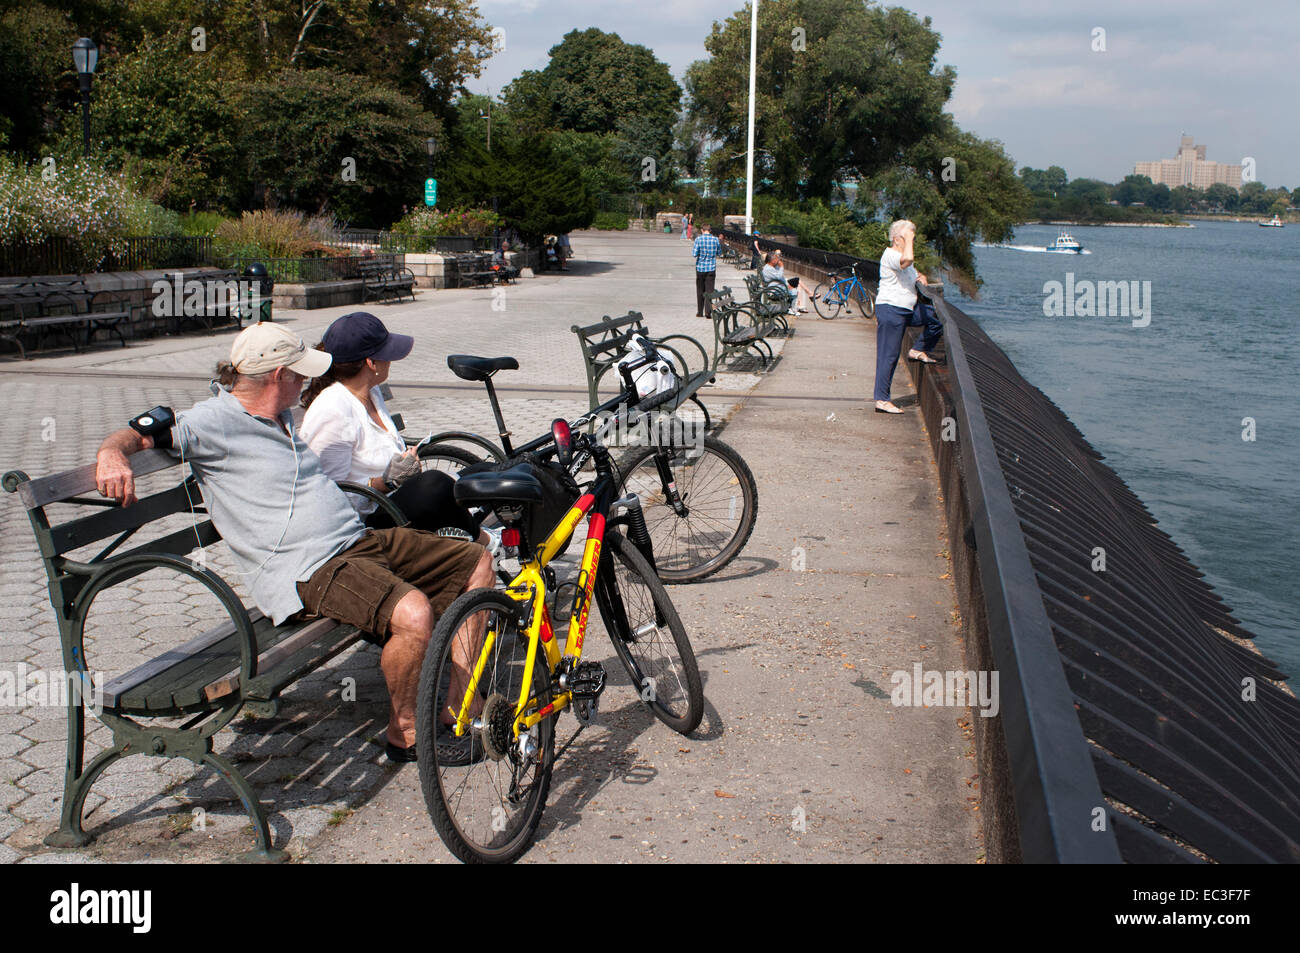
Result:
[{"x": 586, "y": 680}]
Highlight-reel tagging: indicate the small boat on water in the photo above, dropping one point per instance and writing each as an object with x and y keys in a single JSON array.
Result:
[
  {"x": 1066, "y": 243},
  {"x": 1274, "y": 223}
]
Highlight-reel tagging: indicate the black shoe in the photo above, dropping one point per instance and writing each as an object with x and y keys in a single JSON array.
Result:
[
  {"x": 459, "y": 752},
  {"x": 400, "y": 755}
]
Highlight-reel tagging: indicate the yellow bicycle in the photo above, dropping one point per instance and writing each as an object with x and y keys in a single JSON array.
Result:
[{"x": 496, "y": 675}]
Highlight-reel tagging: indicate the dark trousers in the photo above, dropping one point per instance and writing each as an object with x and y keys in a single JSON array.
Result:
[
  {"x": 891, "y": 322},
  {"x": 704, "y": 283},
  {"x": 429, "y": 502}
]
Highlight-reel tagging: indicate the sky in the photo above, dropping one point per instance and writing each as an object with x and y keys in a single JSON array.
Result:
[{"x": 1027, "y": 72}]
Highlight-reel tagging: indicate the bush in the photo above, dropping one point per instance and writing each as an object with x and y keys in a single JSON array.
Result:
[
  {"x": 422, "y": 225},
  {"x": 276, "y": 234},
  {"x": 201, "y": 223},
  {"x": 94, "y": 209},
  {"x": 610, "y": 222}
]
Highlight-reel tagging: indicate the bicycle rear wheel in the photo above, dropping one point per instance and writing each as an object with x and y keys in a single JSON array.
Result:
[
  {"x": 484, "y": 793},
  {"x": 445, "y": 457},
  {"x": 648, "y": 635},
  {"x": 827, "y": 300},
  {"x": 720, "y": 498}
]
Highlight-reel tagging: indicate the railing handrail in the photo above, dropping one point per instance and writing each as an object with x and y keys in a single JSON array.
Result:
[{"x": 1053, "y": 778}]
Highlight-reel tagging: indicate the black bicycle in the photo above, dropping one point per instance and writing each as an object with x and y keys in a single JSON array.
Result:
[{"x": 699, "y": 496}]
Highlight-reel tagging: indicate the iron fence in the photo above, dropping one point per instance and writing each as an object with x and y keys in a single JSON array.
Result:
[{"x": 62, "y": 256}]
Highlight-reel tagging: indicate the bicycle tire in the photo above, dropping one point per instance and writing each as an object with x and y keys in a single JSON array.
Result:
[
  {"x": 636, "y": 610},
  {"x": 712, "y": 484},
  {"x": 495, "y": 827},
  {"x": 827, "y": 301},
  {"x": 867, "y": 302},
  {"x": 446, "y": 457}
]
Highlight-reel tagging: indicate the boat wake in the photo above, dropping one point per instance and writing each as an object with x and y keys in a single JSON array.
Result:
[{"x": 1031, "y": 248}]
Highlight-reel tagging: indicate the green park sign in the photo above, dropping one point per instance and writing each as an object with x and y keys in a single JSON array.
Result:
[{"x": 430, "y": 191}]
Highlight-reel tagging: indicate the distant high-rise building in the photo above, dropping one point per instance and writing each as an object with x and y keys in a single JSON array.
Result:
[{"x": 1190, "y": 168}]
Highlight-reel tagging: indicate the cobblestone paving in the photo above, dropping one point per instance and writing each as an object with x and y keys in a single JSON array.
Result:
[{"x": 322, "y": 755}]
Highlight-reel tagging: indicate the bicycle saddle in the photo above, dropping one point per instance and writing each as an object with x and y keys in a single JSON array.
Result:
[
  {"x": 471, "y": 368},
  {"x": 516, "y": 485}
]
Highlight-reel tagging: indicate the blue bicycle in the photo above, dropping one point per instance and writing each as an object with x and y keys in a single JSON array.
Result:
[{"x": 843, "y": 289}]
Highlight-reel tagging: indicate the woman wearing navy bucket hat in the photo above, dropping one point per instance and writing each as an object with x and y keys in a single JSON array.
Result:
[{"x": 348, "y": 426}]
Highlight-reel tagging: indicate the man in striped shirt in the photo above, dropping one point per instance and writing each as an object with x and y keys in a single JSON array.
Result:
[{"x": 705, "y": 250}]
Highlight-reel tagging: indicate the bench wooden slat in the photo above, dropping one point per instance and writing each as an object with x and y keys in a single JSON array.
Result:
[
  {"x": 115, "y": 690},
  {"x": 63, "y": 486},
  {"x": 271, "y": 663}
]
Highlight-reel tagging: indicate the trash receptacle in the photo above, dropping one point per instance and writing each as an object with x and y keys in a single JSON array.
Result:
[
  {"x": 255, "y": 288},
  {"x": 668, "y": 226}
]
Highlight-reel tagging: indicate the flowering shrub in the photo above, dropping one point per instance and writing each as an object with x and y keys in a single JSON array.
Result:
[
  {"x": 94, "y": 209},
  {"x": 276, "y": 234},
  {"x": 424, "y": 222}
]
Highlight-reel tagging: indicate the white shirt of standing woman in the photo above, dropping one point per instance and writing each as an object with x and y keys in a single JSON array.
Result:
[
  {"x": 897, "y": 284},
  {"x": 351, "y": 446}
]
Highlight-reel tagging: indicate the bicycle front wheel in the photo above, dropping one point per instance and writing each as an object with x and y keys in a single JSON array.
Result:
[
  {"x": 648, "y": 635},
  {"x": 485, "y": 791},
  {"x": 718, "y": 506},
  {"x": 827, "y": 301}
]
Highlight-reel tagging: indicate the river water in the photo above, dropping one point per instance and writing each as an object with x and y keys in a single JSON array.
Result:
[{"x": 1167, "y": 403}]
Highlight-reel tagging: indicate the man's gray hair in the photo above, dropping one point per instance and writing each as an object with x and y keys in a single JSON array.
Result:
[{"x": 897, "y": 229}]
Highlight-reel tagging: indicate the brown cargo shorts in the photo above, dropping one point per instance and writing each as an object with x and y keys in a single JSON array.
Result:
[{"x": 362, "y": 585}]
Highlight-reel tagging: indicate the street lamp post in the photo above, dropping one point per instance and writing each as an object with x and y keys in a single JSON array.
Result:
[
  {"x": 749, "y": 153},
  {"x": 430, "y": 146},
  {"x": 85, "y": 57}
]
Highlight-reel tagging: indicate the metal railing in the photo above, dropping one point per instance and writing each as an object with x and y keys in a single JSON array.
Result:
[
  {"x": 867, "y": 270},
  {"x": 61, "y": 256},
  {"x": 1124, "y": 693}
]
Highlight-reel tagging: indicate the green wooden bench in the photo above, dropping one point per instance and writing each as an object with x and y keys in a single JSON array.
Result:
[
  {"x": 383, "y": 279},
  {"x": 738, "y": 329},
  {"x": 245, "y": 662},
  {"x": 769, "y": 302},
  {"x": 605, "y": 342}
]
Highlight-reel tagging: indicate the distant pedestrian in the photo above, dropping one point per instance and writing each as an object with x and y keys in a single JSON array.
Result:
[
  {"x": 688, "y": 223},
  {"x": 563, "y": 251},
  {"x": 705, "y": 250},
  {"x": 897, "y": 308}
]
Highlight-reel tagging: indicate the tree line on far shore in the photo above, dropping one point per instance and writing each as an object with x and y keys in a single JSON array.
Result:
[{"x": 1136, "y": 198}]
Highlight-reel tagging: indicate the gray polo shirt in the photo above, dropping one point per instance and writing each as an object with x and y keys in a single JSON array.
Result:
[{"x": 282, "y": 517}]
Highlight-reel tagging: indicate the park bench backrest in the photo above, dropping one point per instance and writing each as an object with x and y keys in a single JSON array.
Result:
[
  {"x": 67, "y": 577},
  {"x": 604, "y": 343}
]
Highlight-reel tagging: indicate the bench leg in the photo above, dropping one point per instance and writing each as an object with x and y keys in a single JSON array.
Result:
[
  {"x": 75, "y": 788},
  {"x": 264, "y": 853}
]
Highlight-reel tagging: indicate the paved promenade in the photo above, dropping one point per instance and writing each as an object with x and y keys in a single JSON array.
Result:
[{"x": 801, "y": 755}]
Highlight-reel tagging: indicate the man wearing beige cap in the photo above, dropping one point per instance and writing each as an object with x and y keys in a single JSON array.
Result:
[{"x": 294, "y": 535}]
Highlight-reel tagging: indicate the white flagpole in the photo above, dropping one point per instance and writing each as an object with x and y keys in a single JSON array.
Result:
[{"x": 749, "y": 155}]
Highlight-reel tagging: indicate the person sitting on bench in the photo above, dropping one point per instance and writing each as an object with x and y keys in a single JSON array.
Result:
[{"x": 294, "y": 535}]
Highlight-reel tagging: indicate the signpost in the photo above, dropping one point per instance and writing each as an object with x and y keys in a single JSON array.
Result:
[{"x": 430, "y": 191}]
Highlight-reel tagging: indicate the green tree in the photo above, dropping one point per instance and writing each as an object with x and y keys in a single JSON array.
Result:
[
  {"x": 1054, "y": 179},
  {"x": 957, "y": 188},
  {"x": 36, "y": 63},
  {"x": 162, "y": 112},
  {"x": 1159, "y": 197},
  {"x": 1184, "y": 198},
  {"x": 306, "y": 133},
  {"x": 1224, "y": 195},
  {"x": 862, "y": 91},
  {"x": 1134, "y": 188},
  {"x": 595, "y": 82}
]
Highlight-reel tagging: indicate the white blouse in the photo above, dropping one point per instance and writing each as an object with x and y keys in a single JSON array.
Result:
[{"x": 351, "y": 446}]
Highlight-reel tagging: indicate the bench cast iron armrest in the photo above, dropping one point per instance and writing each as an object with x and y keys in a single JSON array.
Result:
[{"x": 387, "y": 505}]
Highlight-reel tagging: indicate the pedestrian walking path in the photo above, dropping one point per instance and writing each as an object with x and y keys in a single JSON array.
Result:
[{"x": 801, "y": 756}]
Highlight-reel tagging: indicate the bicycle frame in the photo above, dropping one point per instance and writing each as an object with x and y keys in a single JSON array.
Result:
[{"x": 529, "y": 589}]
